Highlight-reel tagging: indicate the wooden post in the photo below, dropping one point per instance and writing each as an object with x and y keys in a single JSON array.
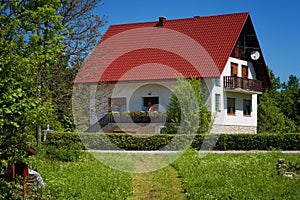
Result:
[
  {"x": 25, "y": 179},
  {"x": 39, "y": 135}
]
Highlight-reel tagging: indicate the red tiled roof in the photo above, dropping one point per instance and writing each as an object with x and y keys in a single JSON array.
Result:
[{"x": 198, "y": 46}]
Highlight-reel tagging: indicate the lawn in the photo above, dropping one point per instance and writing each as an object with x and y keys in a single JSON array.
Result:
[
  {"x": 229, "y": 176},
  {"x": 86, "y": 179},
  {"x": 236, "y": 176}
]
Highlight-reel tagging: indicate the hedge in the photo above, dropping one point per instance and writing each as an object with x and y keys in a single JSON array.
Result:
[{"x": 159, "y": 141}]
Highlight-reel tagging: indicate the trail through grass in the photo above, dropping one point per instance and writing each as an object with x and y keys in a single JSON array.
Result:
[{"x": 161, "y": 184}]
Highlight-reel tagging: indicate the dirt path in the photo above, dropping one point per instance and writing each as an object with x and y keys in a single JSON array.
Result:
[{"x": 161, "y": 184}]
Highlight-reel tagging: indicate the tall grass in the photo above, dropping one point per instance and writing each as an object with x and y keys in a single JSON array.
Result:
[
  {"x": 83, "y": 179},
  {"x": 232, "y": 176}
]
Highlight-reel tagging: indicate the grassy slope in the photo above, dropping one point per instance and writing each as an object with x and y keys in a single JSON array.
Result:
[{"x": 231, "y": 176}]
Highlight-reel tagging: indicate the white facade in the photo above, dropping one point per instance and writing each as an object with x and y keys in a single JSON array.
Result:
[
  {"x": 134, "y": 94},
  {"x": 237, "y": 122}
]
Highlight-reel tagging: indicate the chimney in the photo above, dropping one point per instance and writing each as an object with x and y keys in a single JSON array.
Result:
[{"x": 161, "y": 21}]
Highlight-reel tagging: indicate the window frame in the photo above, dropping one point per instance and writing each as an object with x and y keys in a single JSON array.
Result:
[
  {"x": 231, "y": 100},
  {"x": 245, "y": 71},
  {"x": 217, "y": 103},
  {"x": 247, "y": 107},
  {"x": 234, "y": 69}
]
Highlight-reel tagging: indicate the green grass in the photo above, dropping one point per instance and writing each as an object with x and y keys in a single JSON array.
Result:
[
  {"x": 236, "y": 176},
  {"x": 86, "y": 179},
  {"x": 227, "y": 176}
]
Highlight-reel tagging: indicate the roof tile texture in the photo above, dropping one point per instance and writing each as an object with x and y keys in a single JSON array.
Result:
[{"x": 197, "y": 46}]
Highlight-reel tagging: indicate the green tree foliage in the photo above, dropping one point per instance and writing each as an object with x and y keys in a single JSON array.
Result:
[
  {"x": 278, "y": 108},
  {"x": 29, "y": 42},
  {"x": 290, "y": 97},
  {"x": 80, "y": 36},
  {"x": 271, "y": 118},
  {"x": 187, "y": 111}
]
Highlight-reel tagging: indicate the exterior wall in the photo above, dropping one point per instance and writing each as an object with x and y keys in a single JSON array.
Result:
[
  {"x": 218, "y": 129},
  {"x": 134, "y": 92},
  {"x": 227, "y": 72},
  {"x": 237, "y": 123}
]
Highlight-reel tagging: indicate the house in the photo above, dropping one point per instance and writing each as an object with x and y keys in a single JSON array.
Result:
[{"x": 135, "y": 65}]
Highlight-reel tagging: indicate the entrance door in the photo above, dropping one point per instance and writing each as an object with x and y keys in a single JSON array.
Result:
[{"x": 150, "y": 102}]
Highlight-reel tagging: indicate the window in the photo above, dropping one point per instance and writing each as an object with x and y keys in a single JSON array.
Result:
[
  {"x": 245, "y": 71},
  {"x": 150, "y": 101},
  {"x": 117, "y": 104},
  {"x": 217, "y": 82},
  {"x": 247, "y": 107},
  {"x": 217, "y": 102},
  {"x": 231, "y": 106},
  {"x": 234, "y": 69}
]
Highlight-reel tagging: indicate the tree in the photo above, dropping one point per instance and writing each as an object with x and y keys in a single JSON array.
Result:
[
  {"x": 187, "y": 111},
  {"x": 80, "y": 36},
  {"x": 29, "y": 41},
  {"x": 271, "y": 115},
  {"x": 290, "y": 97},
  {"x": 84, "y": 29}
]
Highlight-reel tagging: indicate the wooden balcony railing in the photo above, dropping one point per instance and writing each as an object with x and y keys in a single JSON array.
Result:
[
  {"x": 232, "y": 82},
  {"x": 108, "y": 119}
]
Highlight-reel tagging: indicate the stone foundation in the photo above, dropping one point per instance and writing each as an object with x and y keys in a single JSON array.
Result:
[{"x": 231, "y": 129}]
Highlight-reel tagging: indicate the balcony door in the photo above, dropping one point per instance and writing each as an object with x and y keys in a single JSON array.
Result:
[
  {"x": 234, "y": 69},
  {"x": 244, "y": 71},
  {"x": 150, "y": 102}
]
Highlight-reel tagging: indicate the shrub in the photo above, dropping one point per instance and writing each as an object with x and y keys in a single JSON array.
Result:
[
  {"x": 71, "y": 153},
  {"x": 158, "y": 141}
]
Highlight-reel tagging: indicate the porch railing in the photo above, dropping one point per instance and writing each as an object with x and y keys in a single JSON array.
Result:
[{"x": 233, "y": 82}]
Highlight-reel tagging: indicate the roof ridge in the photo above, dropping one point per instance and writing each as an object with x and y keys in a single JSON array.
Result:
[{"x": 179, "y": 19}]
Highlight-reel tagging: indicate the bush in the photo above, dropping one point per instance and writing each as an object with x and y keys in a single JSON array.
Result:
[
  {"x": 67, "y": 154},
  {"x": 63, "y": 147},
  {"x": 62, "y": 139},
  {"x": 158, "y": 141}
]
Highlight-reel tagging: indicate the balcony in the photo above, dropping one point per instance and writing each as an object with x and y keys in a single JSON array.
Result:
[
  {"x": 146, "y": 118},
  {"x": 245, "y": 85}
]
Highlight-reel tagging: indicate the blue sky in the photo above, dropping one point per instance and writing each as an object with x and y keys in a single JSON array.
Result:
[{"x": 277, "y": 23}]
